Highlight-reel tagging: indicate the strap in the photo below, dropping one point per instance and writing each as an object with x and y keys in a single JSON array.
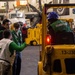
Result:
[{"x": 5, "y": 60}]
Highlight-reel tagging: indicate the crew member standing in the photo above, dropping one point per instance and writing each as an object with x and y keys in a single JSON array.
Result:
[
  {"x": 4, "y": 26},
  {"x": 17, "y": 38}
]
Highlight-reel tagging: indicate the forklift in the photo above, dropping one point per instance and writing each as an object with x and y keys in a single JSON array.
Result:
[
  {"x": 34, "y": 35},
  {"x": 56, "y": 59}
]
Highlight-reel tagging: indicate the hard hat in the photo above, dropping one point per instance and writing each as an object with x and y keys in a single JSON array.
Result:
[{"x": 52, "y": 15}]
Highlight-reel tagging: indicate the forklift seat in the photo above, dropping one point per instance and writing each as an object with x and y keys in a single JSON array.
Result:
[{"x": 64, "y": 38}]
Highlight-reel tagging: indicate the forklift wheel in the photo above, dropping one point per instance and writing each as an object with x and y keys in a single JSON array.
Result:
[{"x": 33, "y": 43}]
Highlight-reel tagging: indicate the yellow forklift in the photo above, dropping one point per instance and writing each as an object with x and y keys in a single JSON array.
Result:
[
  {"x": 34, "y": 35},
  {"x": 57, "y": 59}
]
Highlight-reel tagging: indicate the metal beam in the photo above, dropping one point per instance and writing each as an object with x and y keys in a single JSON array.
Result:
[
  {"x": 47, "y": 6},
  {"x": 6, "y": 0},
  {"x": 60, "y": 5}
]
